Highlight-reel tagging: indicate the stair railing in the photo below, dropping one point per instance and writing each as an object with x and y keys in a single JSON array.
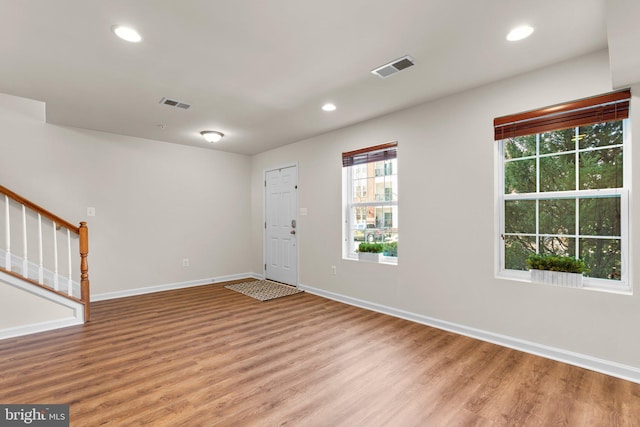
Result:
[{"x": 57, "y": 224}]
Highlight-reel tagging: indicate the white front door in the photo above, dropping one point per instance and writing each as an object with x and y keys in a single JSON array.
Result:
[{"x": 281, "y": 252}]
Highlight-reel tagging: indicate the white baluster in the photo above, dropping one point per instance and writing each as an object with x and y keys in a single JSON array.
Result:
[
  {"x": 70, "y": 291},
  {"x": 25, "y": 261},
  {"x": 55, "y": 257},
  {"x": 7, "y": 224},
  {"x": 41, "y": 267}
]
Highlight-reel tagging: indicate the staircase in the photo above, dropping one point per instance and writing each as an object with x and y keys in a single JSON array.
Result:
[{"x": 41, "y": 251}]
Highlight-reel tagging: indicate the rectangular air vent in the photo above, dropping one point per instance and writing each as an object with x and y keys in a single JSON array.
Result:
[
  {"x": 393, "y": 67},
  {"x": 174, "y": 103}
]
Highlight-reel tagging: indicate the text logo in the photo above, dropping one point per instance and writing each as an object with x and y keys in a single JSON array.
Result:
[{"x": 34, "y": 415}]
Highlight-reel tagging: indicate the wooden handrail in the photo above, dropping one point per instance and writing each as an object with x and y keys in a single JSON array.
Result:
[
  {"x": 38, "y": 209},
  {"x": 83, "y": 233}
]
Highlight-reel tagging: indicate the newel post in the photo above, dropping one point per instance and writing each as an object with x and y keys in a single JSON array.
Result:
[{"x": 84, "y": 270}]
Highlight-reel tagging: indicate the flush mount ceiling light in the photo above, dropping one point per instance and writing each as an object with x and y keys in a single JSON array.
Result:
[
  {"x": 329, "y": 107},
  {"x": 126, "y": 33},
  {"x": 212, "y": 135},
  {"x": 519, "y": 33}
]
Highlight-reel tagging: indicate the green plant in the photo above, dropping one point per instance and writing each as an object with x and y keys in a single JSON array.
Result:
[
  {"x": 390, "y": 249},
  {"x": 375, "y": 248},
  {"x": 553, "y": 262}
]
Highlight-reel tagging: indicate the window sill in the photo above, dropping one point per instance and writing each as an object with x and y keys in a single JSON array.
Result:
[
  {"x": 589, "y": 284},
  {"x": 385, "y": 260}
]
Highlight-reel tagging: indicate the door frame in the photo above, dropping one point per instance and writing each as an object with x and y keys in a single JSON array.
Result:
[{"x": 264, "y": 218}]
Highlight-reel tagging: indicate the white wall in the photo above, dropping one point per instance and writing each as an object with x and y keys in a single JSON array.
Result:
[
  {"x": 447, "y": 242},
  {"x": 19, "y": 308},
  {"x": 156, "y": 203}
]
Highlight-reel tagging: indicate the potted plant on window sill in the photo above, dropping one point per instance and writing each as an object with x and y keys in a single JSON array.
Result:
[
  {"x": 556, "y": 270},
  {"x": 370, "y": 252}
]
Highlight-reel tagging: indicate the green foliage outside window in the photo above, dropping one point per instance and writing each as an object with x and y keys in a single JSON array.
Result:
[
  {"x": 569, "y": 161},
  {"x": 387, "y": 249},
  {"x": 375, "y": 248},
  {"x": 390, "y": 249}
]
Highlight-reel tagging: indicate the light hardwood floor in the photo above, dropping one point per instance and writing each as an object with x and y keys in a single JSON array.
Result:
[{"x": 208, "y": 356}]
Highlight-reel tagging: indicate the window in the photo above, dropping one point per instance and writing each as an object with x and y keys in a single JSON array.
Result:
[
  {"x": 371, "y": 199},
  {"x": 564, "y": 187}
]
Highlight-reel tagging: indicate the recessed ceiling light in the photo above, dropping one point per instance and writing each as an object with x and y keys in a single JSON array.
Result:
[
  {"x": 329, "y": 107},
  {"x": 126, "y": 33},
  {"x": 212, "y": 135},
  {"x": 519, "y": 33}
]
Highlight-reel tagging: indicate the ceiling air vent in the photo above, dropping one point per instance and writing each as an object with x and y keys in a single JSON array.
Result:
[
  {"x": 393, "y": 67},
  {"x": 174, "y": 103}
]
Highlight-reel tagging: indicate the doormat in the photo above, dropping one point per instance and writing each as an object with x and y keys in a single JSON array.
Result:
[{"x": 263, "y": 290}]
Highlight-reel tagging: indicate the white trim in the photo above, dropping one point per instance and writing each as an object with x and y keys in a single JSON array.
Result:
[
  {"x": 39, "y": 327},
  {"x": 588, "y": 283},
  {"x": 171, "y": 286},
  {"x": 569, "y": 194},
  {"x": 384, "y": 260},
  {"x": 44, "y": 293},
  {"x": 76, "y": 319},
  {"x": 618, "y": 370},
  {"x": 627, "y": 170},
  {"x": 346, "y": 213}
]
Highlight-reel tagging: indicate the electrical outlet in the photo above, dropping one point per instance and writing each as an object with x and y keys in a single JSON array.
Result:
[
  {"x": 185, "y": 262},
  {"x": 333, "y": 270}
]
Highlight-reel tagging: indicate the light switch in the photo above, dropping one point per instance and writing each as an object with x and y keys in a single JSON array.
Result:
[
  {"x": 91, "y": 211},
  {"x": 303, "y": 211}
]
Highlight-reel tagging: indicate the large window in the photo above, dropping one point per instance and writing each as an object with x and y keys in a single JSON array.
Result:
[
  {"x": 371, "y": 199},
  {"x": 564, "y": 187}
]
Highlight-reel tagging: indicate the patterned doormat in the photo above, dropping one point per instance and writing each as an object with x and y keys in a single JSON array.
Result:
[{"x": 263, "y": 290}]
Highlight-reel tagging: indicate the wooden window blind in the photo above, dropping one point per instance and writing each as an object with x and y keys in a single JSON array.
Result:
[
  {"x": 598, "y": 109},
  {"x": 376, "y": 153}
]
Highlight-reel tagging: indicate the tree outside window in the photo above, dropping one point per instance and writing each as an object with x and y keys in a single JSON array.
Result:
[{"x": 564, "y": 192}]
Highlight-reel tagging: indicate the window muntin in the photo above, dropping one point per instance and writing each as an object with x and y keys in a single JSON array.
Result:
[{"x": 564, "y": 193}]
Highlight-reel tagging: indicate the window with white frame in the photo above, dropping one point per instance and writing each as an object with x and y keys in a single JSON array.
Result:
[
  {"x": 564, "y": 187},
  {"x": 370, "y": 178}
]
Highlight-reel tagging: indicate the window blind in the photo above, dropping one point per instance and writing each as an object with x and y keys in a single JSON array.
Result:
[
  {"x": 598, "y": 109},
  {"x": 376, "y": 153}
]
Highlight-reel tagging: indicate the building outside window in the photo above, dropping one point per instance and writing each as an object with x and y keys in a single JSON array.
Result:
[
  {"x": 371, "y": 199},
  {"x": 564, "y": 187}
]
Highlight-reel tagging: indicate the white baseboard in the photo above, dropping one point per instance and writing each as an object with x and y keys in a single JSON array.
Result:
[
  {"x": 607, "y": 367},
  {"x": 39, "y": 327},
  {"x": 170, "y": 286}
]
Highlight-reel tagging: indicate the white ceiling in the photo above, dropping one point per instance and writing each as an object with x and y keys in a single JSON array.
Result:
[{"x": 259, "y": 71}]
